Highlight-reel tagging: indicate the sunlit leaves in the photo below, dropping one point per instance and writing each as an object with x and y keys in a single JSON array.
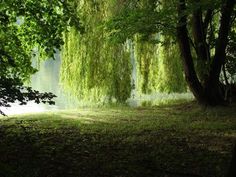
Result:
[
  {"x": 141, "y": 19},
  {"x": 93, "y": 69},
  {"x": 97, "y": 63},
  {"x": 27, "y": 26}
]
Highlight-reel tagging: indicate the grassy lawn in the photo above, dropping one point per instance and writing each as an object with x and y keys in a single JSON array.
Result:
[{"x": 165, "y": 141}]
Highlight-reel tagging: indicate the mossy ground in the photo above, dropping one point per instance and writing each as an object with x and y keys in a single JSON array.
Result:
[{"x": 170, "y": 140}]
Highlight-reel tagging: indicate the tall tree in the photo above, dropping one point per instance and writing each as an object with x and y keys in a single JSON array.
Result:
[
  {"x": 208, "y": 91},
  {"x": 98, "y": 71},
  {"x": 200, "y": 27},
  {"x": 106, "y": 69}
]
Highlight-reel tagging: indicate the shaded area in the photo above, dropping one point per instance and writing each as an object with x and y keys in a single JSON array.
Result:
[{"x": 161, "y": 141}]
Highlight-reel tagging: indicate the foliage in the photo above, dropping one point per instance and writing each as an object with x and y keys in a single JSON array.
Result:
[
  {"x": 201, "y": 28},
  {"x": 159, "y": 66},
  {"x": 144, "y": 17},
  {"x": 27, "y": 24},
  {"x": 231, "y": 56},
  {"x": 96, "y": 67},
  {"x": 170, "y": 72},
  {"x": 28, "y": 27},
  {"x": 93, "y": 69},
  {"x": 12, "y": 90}
]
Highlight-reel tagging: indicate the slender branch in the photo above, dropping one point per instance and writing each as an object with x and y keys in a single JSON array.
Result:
[
  {"x": 207, "y": 19},
  {"x": 199, "y": 35},
  {"x": 193, "y": 45},
  {"x": 227, "y": 89},
  {"x": 222, "y": 41}
]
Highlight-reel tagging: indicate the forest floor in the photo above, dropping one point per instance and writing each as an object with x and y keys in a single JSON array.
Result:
[{"x": 177, "y": 140}]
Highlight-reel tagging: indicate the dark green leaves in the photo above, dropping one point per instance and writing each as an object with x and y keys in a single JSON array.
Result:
[
  {"x": 144, "y": 21},
  {"x": 12, "y": 90},
  {"x": 29, "y": 28}
]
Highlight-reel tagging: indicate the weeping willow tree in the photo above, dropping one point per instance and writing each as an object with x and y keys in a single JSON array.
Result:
[
  {"x": 147, "y": 60},
  {"x": 158, "y": 57},
  {"x": 95, "y": 68},
  {"x": 170, "y": 74},
  {"x": 159, "y": 69},
  {"x": 92, "y": 68}
]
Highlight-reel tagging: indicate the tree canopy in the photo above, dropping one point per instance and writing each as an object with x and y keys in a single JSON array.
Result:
[
  {"x": 204, "y": 31},
  {"x": 126, "y": 46},
  {"x": 98, "y": 67},
  {"x": 29, "y": 28}
]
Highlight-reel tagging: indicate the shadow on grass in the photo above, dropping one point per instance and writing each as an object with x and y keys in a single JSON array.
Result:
[{"x": 140, "y": 142}]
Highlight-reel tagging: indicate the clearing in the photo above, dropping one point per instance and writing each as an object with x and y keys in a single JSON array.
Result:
[{"x": 170, "y": 140}]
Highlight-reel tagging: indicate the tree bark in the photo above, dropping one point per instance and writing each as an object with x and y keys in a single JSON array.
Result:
[
  {"x": 212, "y": 84},
  {"x": 199, "y": 36},
  {"x": 210, "y": 92},
  {"x": 202, "y": 48},
  {"x": 207, "y": 20},
  {"x": 184, "y": 45}
]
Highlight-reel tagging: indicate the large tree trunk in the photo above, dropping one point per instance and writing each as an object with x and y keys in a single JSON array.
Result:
[
  {"x": 208, "y": 92},
  {"x": 212, "y": 84},
  {"x": 183, "y": 41}
]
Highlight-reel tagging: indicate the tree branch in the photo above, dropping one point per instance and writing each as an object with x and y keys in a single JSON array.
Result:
[
  {"x": 199, "y": 36},
  {"x": 183, "y": 40},
  {"x": 207, "y": 19},
  {"x": 222, "y": 41}
]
